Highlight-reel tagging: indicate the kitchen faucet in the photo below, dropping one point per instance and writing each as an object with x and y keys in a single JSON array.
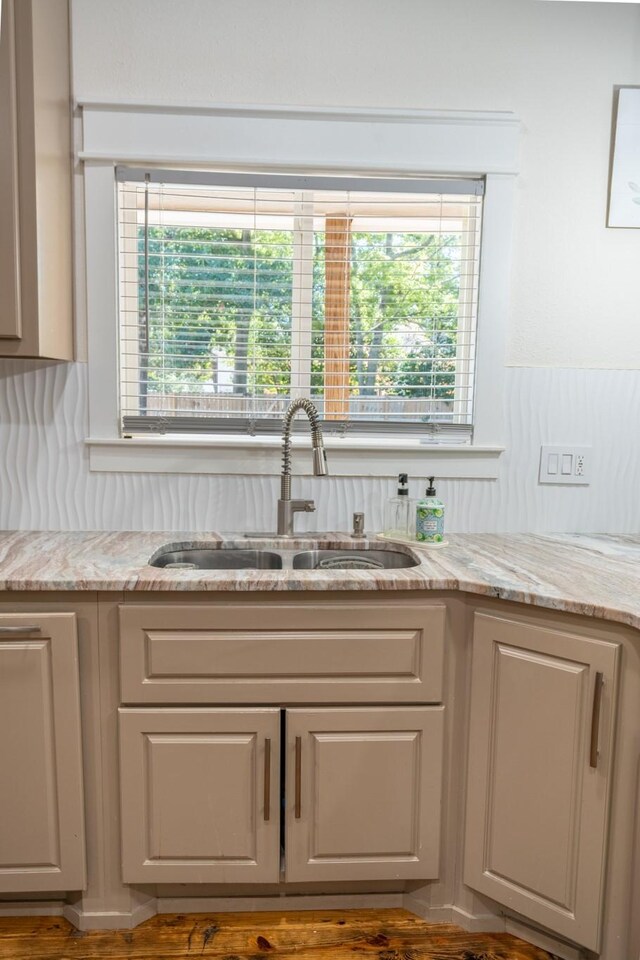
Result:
[{"x": 286, "y": 506}]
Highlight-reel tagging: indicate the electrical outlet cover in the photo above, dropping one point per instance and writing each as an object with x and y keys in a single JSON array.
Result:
[{"x": 565, "y": 464}]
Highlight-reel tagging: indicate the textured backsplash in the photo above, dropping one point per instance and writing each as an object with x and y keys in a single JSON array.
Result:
[{"x": 45, "y": 482}]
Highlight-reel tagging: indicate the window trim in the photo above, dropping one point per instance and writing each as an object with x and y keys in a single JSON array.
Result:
[{"x": 281, "y": 139}]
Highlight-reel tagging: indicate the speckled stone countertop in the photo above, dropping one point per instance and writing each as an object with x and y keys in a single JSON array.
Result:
[{"x": 594, "y": 575}]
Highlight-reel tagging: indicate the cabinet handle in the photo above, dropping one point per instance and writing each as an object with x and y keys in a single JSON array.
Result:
[
  {"x": 595, "y": 719},
  {"x": 18, "y": 631},
  {"x": 298, "y": 799},
  {"x": 267, "y": 778}
]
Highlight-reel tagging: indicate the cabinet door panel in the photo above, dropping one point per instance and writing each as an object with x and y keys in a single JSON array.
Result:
[
  {"x": 41, "y": 802},
  {"x": 369, "y": 785},
  {"x": 537, "y": 809},
  {"x": 36, "y": 302},
  {"x": 193, "y": 795}
]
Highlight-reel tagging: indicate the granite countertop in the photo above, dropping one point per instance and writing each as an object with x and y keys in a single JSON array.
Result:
[{"x": 594, "y": 575}]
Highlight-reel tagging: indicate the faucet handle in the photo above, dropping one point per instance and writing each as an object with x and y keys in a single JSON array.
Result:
[{"x": 303, "y": 506}]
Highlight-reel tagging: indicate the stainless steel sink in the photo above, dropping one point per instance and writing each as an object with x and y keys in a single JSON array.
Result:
[
  {"x": 231, "y": 557},
  {"x": 352, "y": 559},
  {"x": 217, "y": 558}
]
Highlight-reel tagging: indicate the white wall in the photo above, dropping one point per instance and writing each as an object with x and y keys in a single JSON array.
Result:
[
  {"x": 45, "y": 481},
  {"x": 575, "y": 284}
]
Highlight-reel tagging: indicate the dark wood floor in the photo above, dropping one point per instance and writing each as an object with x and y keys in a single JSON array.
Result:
[{"x": 318, "y": 935}]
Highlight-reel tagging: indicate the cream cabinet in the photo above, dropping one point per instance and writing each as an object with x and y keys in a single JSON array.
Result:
[
  {"x": 201, "y": 794},
  {"x": 41, "y": 798},
  {"x": 277, "y": 652},
  {"x": 539, "y": 775},
  {"x": 354, "y": 690},
  {"x": 35, "y": 181},
  {"x": 363, "y": 793}
]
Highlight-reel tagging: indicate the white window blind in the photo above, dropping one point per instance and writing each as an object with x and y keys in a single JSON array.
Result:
[{"x": 240, "y": 292}]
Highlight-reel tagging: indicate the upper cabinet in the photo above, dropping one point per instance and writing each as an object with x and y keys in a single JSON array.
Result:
[{"x": 36, "y": 301}]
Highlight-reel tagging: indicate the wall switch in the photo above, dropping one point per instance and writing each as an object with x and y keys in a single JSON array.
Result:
[{"x": 565, "y": 464}]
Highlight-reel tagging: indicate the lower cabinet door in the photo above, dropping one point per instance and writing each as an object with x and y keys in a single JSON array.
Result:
[
  {"x": 363, "y": 793},
  {"x": 41, "y": 797},
  {"x": 540, "y": 755},
  {"x": 199, "y": 791}
]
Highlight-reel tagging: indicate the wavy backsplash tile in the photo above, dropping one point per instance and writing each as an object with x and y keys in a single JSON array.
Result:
[{"x": 45, "y": 482}]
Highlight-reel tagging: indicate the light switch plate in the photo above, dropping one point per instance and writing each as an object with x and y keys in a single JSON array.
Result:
[{"x": 565, "y": 464}]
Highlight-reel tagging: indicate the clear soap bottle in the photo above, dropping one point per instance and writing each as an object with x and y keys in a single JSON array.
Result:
[{"x": 397, "y": 514}]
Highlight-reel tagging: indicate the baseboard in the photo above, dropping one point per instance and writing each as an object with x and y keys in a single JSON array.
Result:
[
  {"x": 430, "y": 914},
  {"x": 448, "y": 913},
  {"x": 109, "y": 920},
  {"x": 484, "y": 923},
  {"x": 346, "y": 901},
  {"x": 31, "y": 908}
]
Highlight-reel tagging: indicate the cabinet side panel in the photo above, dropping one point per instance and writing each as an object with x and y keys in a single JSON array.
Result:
[
  {"x": 52, "y": 121},
  {"x": 10, "y": 321}
]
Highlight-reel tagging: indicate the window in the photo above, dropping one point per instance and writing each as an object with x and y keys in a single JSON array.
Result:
[
  {"x": 239, "y": 292},
  {"x": 408, "y": 379}
]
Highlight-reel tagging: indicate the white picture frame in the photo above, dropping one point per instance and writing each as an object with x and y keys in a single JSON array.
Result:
[{"x": 624, "y": 190}]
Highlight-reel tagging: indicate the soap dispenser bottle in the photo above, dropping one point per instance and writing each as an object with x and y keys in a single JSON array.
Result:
[
  {"x": 430, "y": 517},
  {"x": 398, "y": 510}
]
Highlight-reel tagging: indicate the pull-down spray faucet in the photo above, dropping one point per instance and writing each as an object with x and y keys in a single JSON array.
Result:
[{"x": 286, "y": 506}]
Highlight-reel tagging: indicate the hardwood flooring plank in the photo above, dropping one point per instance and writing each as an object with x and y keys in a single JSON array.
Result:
[{"x": 306, "y": 935}]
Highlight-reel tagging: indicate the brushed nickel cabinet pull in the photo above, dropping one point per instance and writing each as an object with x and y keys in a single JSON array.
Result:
[
  {"x": 595, "y": 719},
  {"x": 19, "y": 631},
  {"x": 298, "y": 799},
  {"x": 267, "y": 778}
]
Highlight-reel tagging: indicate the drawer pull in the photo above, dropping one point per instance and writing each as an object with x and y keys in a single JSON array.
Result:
[
  {"x": 595, "y": 719},
  {"x": 18, "y": 631},
  {"x": 298, "y": 798},
  {"x": 267, "y": 778}
]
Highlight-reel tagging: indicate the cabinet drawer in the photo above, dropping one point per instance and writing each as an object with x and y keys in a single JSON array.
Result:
[{"x": 276, "y": 653}]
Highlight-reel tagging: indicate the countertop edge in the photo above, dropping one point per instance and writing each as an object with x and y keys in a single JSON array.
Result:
[{"x": 590, "y": 575}]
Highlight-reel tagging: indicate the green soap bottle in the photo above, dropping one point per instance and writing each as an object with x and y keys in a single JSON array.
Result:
[{"x": 430, "y": 517}]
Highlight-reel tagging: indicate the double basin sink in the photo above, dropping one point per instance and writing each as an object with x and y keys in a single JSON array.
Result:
[{"x": 229, "y": 557}]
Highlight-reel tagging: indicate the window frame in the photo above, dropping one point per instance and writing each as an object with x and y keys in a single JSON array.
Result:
[{"x": 279, "y": 140}]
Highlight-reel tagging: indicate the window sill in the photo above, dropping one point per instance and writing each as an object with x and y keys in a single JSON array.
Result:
[{"x": 261, "y": 456}]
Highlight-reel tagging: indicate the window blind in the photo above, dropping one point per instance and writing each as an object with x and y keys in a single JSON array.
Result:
[{"x": 240, "y": 292}]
